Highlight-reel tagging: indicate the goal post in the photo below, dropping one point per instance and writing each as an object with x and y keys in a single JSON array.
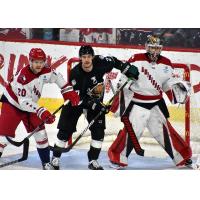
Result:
[{"x": 186, "y": 77}]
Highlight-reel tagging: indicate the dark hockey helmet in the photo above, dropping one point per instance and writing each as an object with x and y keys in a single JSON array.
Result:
[
  {"x": 86, "y": 49},
  {"x": 153, "y": 46}
]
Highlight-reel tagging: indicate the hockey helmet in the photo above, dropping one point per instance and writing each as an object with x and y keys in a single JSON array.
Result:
[
  {"x": 154, "y": 41},
  {"x": 37, "y": 54},
  {"x": 153, "y": 46},
  {"x": 86, "y": 49}
]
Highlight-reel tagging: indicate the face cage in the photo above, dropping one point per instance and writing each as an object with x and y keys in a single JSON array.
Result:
[{"x": 152, "y": 55}]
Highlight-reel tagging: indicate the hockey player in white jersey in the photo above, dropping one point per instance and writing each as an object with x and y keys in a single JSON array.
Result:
[
  {"x": 142, "y": 106},
  {"x": 19, "y": 102}
]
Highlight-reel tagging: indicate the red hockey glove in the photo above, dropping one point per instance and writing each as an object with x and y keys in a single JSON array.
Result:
[
  {"x": 45, "y": 115},
  {"x": 69, "y": 94}
]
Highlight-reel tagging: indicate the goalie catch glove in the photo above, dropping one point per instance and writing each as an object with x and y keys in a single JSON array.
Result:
[{"x": 181, "y": 91}]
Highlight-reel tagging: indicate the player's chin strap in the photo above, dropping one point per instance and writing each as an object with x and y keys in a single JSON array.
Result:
[
  {"x": 18, "y": 144},
  {"x": 24, "y": 155},
  {"x": 64, "y": 150}
]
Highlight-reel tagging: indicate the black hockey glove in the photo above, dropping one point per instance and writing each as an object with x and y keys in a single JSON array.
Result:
[
  {"x": 130, "y": 71},
  {"x": 98, "y": 106}
]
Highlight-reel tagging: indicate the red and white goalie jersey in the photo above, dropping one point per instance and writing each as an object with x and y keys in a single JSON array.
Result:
[
  {"x": 26, "y": 87},
  {"x": 155, "y": 79},
  {"x": 141, "y": 106}
]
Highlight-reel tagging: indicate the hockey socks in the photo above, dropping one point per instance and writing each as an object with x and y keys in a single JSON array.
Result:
[{"x": 44, "y": 154}]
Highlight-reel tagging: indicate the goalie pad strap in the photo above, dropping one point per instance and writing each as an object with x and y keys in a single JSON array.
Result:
[{"x": 132, "y": 135}]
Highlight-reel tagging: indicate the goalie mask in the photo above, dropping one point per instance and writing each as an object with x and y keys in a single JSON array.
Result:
[
  {"x": 153, "y": 47},
  {"x": 97, "y": 91}
]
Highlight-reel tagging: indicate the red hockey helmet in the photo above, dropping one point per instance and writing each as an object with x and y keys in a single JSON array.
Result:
[{"x": 37, "y": 54}]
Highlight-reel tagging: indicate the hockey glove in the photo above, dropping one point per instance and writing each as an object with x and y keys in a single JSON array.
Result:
[
  {"x": 98, "y": 106},
  {"x": 131, "y": 71},
  {"x": 45, "y": 115},
  {"x": 69, "y": 94}
]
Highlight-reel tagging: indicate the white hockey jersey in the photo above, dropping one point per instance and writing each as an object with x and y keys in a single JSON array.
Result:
[
  {"x": 25, "y": 89},
  {"x": 154, "y": 78}
]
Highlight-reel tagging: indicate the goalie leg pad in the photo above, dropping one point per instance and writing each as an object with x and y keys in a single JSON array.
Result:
[
  {"x": 168, "y": 138},
  {"x": 179, "y": 144},
  {"x": 117, "y": 147},
  {"x": 131, "y": 133},
  {"x": 120, "y": 149}
]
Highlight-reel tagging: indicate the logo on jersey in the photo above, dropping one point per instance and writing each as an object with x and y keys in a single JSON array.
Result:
[
  {"x": 166, "y": 69},
  {"x": 21, "y": 79},
  {"x": 73, "y": 82},
  {"x": 44, "y": 78},
  {"x": 94, "y": 80}
]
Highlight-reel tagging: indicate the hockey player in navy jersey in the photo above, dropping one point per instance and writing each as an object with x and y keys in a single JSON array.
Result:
[{"x": 87, "y": 79}]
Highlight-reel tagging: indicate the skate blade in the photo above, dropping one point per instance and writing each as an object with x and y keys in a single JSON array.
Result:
[
  {"x": 116, "y": 167},
  {"x": 196, "y": 166}
]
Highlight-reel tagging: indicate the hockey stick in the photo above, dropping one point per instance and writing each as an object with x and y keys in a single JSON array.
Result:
[
  {"x": 111, "y": 86},
  {"x": 64, "y": 150},
  {"x": 133, "y": 137},
  {"x": 24, "y": 155},
  {"x": 18, "y": 144}
]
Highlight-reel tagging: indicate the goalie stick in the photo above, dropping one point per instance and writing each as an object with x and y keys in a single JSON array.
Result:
[
  {"x": 132, "y": 135},
  {"x": 17, "y": 144},
  {"x": 128, "y": 126},
  {"x": 24, "y": 155},
  {"x": 64, "y": 150}
]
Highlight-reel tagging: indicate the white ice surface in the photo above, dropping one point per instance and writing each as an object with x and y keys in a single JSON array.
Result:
[{"x": 76, "y": 159}]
